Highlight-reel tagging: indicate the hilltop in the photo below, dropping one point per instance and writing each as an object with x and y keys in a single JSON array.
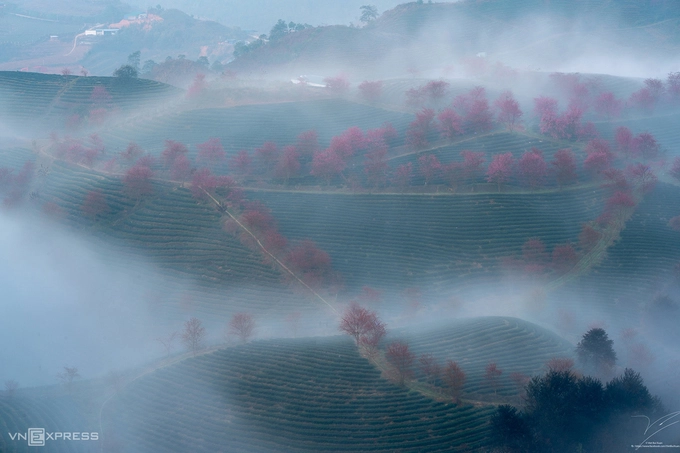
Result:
[{"x": 431, "y": 36}]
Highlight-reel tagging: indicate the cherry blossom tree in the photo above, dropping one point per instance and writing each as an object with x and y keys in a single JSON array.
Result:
[
  {"x": 621, "y": 200},
  {"x": 500, "y": 169},
  {"x": 430, "y": 167},
  {"x": 327, "y": 164},
  {"x": 403, "y": 175},
  {"x": 172, "y": 150},
  {"x": 450, "y": 124},
  {"x": 474, "y": 107},
  {"x": 560, "y": 364},
  {"x": 401, "y": 358},
  {"x": 132, "y": 152},
  {"x": 674, "y": 223},
  {"x": 288, "y": 165},
  {"x": 307, "y": 143},
  {"x": 371, "y": 91},
  {"x": 588, "y": 238},
  {"x": 211, "y": 152},
  {"x": 564, "y": 166},
  {"x": 645, "y": 145},
  {"x": 673, "y": 85},
  {"x": 607, "y": 106},
  {"x": 473, "y": 163},
  {"x": 137, "y": 181},
  {"x": 675, "y": 169},
  {"x": 564, "y": 257},
  {"x": 430, "y": 368},
  {"x": 508, "y": 111},
  {"x": 267, "y": 155},
  {"x": 417, "y": 135},
  {"x": 453, "y": 377},
  {"x": 338, "y": 84},
  {"x": 181, "y": 168},
  {"x": 643, "y": 99},
  {"x": 363, "y": 325},
  {"x": 436, "y": 90},
  {"x": 241, "y": 162},
  {"x": 242, "y": 326},
  {"x": 532, "y": 168},
  {"x": 197, "y": 86},
  {"x": 623, "y": 138},
  {"x": 642, "y": 175},
  {"x": 534, "y": 252},
  {"x": 376, "y": 166},
  {"x": 311, "y": 264},
  {"x": 94, "y": 205},
  {"x": 599, "y": 156}
]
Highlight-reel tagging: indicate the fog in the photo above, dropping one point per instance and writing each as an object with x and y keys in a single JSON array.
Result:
[{"x": 74, "y": 295}]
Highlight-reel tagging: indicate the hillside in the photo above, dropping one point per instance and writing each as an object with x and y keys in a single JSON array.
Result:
[
  {"x": 33, "y": 103},
  {"x": 315, "y": 395},
  {"x": 431, "y": 36}
]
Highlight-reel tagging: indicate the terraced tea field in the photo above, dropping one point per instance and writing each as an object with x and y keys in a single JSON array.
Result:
[
  {"x": 249, "y": 126},
  {"x": 318, "y": 395},
  {"x": 54, "y": 414},
  {"x": 32, "y": 99},
  {"x": 637, "y": 266},
  {"x": 429, "y": 241},
  {"x": 515, "y": 345},
  {"x": 170, "y": 230}
]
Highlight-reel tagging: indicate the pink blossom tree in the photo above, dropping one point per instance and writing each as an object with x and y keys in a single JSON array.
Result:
[
  {"x": 450, "y": 124},
  {"x": 642, "y": 175},
  {"x": 430, "y": 167},
  {"x": 453, "y": 377},
  {"x": 337, "y": 85},
  {"x": 137, "y": 181},
  {"x": 327, "y": 164},
  {"x": 181, "y": 168},
  {"x": 403, "y": 175},
  {"x": 473, "y": 163},
  {"x": 564, "y": 257},
  {"x": 242, "y": 163},
  {"x": 623, "y": 138},
  {"x": 564, "y": 166},
  {"x": 371, "y": 91},
  {"x": 645, "y": 145},
  {"x": 375, "y": 165},
  {"x": 643, "y": 100},
  {"x": 94, "y": 205},
  {"x": 172, "y": 150},
  {"x": 419, "y": 129},
  {"x": 607, "y": 106},
  {"x": 508, "y": 111},
  {"x": 500, "y": 169},
  {"x": 307, "y": 143},
  {"x": 288, "y": 165},
  {"x": 401, "y": 358},
  {"x": 311, "y": 264},
  {"x": 675, "y": 169},
  {"x": 211, "y": 152},
  {"x": 132, "y": 152},
  {"x": 532, "y": 168},
  {"x": 599, "y": 156},
  {"x": 267, "y": 155}
]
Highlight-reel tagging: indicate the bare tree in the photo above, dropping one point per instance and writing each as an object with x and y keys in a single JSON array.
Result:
[
  {"x": 193, "y": 335},
  {"x": 401, "y": 359},
  {"x": 168, "y": 342},
  {"x": 68, "y": 376},
  {"x": 242, "y": 325},
  {"x": 11, "y": 387},
  {"x": 430, "y": 368},
  {"x": 491, "y": 374},
  {"x": 363, "y": 325}
]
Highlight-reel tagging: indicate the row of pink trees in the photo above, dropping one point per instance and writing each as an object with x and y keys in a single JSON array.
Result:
[{"x": 470, "y": 113}]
